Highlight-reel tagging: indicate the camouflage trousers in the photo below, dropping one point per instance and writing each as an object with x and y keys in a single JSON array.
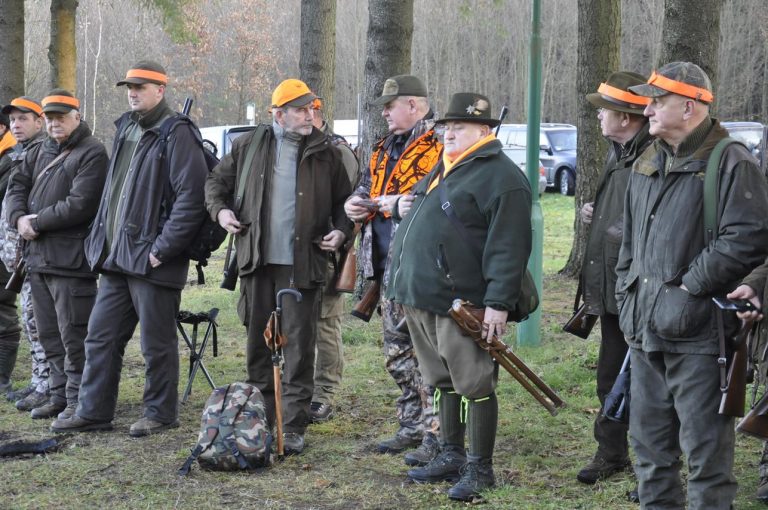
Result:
[
  {"x": 40, "y": 367},
  {"x": 414, "y": 406}
]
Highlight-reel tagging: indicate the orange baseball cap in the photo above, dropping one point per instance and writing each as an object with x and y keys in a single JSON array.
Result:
[
  {"x": 292, "y": 92},
  {"x": 24, "y": 104}
]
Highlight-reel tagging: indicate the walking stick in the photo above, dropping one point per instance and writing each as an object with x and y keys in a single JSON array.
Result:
[{"x": 273, "y": 335}]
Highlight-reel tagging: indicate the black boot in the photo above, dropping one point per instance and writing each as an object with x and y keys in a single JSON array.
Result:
[
  {"x": 446, "y": 465},
  {"x": 9, "y": 349},
  {"x": 477, "y": 473}
]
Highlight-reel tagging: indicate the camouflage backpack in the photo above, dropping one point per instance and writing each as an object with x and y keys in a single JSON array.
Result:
[{"x": 233, "y": 433}]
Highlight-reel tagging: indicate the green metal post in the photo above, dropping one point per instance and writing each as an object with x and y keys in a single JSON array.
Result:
[{"x": 529, "y": 331}]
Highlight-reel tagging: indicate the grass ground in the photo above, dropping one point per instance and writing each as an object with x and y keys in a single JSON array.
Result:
[{"x": 537, "y": 455}]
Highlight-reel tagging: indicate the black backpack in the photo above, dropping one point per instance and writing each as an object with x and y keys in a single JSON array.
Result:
[{"x": 210, "y": 235}]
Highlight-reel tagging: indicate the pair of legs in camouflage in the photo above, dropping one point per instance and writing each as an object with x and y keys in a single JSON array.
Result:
[{"x": 414, "y": 406}]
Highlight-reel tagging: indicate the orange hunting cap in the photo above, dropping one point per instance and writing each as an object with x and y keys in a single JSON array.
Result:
[
  {"x": 292, "y": 92},
  {"x": 60, "y": 101},
  {"x": 682, "y": 78},
  {"x": 145, "y": 71},
  {"x": 24, "y": 104}
]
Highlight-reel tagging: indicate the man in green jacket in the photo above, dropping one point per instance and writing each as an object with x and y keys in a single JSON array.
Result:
[
  {"x": 667, "y": 274},
  {"x": 293, "y": 184},
  {"x": 478, "y": 253},
  {"x": 622, "y": 122}
]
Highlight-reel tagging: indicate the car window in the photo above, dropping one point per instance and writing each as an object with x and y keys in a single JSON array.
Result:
[
  {"x": 750, "y": 137},
  {"x": 518, "y": 139},
  {"x": 561, "y": 140}
]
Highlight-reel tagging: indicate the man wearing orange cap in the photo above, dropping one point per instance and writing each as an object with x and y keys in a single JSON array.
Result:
[
  {"x": 52, "y": 200},
  {"x": 668, "y": 270},
  {"x": 26, "y": 123},
  {"x": 622, "y": 122},
  {"x": 294, "y": 184},
  {"x": 151, "y": 208}
]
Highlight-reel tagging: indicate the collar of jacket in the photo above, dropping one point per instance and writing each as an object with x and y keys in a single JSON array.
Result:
[
  {"x": 153, "y": 116},
  {"x": 696, "y": 147},
  {"x": 37, "y": 138},
  {"x": 487, "y": 150},
  {"x": 635, "y": 146},
  {"x": 422, "y": 126},
  {"x": 81, "y": 131}
]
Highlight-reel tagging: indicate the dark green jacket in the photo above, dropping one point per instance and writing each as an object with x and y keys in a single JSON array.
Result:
[
  {"x": 664, "y": 243},
  {"x": 432, "y": 263},
  {"x": 322, "y": 186},
  {"x": 598, "y": 276}
]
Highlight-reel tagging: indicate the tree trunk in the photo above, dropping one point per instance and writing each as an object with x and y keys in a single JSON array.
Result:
[
  {"x": 597, "y": 57},
  {"x": 317, "y": 58},
  {"x": 388, "y": 53},
  {"x": 691, "y": 33},
  {"x": 62, "y": 52},
  {"x": 12, "y": 56}
]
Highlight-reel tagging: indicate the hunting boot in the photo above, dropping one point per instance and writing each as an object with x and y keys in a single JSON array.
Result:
[
  {"x": 427, "y": 450},
  {"x": 477, "y": 473},
  {"x": 447, "y": 463},
  {"x": 9, "y": 348},
  {"x": 13, "y": 396},
  {"x": 762, "y": 485}
]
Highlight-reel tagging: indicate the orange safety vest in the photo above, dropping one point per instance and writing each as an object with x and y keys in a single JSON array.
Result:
[
  {"x": 415, "y": 162},
  {"x": 7, "y": 141}
]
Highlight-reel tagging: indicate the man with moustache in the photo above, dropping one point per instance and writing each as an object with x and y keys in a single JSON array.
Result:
[{"x": 289, "y": 217}]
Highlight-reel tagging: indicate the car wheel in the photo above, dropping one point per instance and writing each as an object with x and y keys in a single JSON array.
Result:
[{"x": 567, "y": 183}]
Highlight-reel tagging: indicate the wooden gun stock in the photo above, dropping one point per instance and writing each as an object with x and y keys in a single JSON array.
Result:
[
  {"x": 734, "y": 395},
  {"x": 755, "y": 423},
  {"x": 472, "y": 324},
  {"x": 348, "y": 273},
  {"x": 367, "y": 305},
  {"x": 16, "y": 281}
]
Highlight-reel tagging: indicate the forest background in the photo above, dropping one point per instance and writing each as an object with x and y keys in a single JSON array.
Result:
[{"x": 226, "y": 53}]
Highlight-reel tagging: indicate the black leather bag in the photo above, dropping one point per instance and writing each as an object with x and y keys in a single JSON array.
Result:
[{"x": 580, "y": 323}]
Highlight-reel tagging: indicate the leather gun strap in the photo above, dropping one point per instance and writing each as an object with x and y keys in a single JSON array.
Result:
[
  {"x": 578, "y": 297},
  {"x": 59, "y": 158}
]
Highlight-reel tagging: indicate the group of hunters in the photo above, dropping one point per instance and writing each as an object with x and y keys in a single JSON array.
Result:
[{"x": 442, "y": 213}]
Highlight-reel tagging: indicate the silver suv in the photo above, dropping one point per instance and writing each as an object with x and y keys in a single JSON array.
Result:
[{"x": 557, "y": 152}]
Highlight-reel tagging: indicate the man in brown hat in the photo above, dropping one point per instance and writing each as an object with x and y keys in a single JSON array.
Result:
[
  {"x": 25, "y": 115},
  {"x": 668, "y": 271},
  {"x": 151, "y": 208},
  {"x": 52, "y": 200},
  {"x": 399, "y": 161},
  {"x": 467, "y": 235},
  {"x": 294, "y": 183},
  {"x": 622, "y": 122}
]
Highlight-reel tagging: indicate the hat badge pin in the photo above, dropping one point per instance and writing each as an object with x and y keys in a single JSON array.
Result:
[
  {"x": 390, "y": 88},
  {"x": 478, "y": 107}
]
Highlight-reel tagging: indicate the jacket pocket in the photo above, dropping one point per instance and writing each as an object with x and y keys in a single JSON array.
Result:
[
  {"x": 677, "y": 314},
  {"x": 81, "y": 300},
  {"x": 63, "y": 252},
  {"x": 628, "y": 289}
]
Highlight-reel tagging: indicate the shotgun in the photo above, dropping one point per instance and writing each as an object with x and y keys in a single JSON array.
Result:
[
  {"x": 230, "y": 266},
  {"x": 367, "y": 305},
  {"x": 734, "y": 394}
]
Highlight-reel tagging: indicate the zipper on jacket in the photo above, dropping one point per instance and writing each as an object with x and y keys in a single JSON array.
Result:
[
  {"x": 442, "y": 264},
  {"x": 119, "y": 210}
]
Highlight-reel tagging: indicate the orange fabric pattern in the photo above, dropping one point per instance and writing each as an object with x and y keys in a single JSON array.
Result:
[{"x": 415, "y": 162}]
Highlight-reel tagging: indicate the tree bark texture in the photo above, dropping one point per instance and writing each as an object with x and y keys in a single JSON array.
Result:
[
  {"x": 12, "y": 56},
  {"x": 317, "y": 56},
  {"x": 62, "y": 52},
  {"x": 599, "y": 38},
  {"x": 691, "y": 33},
  {"x": 388, "y": 53}
]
